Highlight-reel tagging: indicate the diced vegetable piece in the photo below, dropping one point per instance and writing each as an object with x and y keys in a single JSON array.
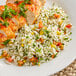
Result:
[
  {"x": 57, "y": 51},
  {"x": 32, "y": 33},
  {"x": 13, "y": 11},
  {"x": 59, "y": 44},
  {"x": 4, "y": 53},
  {"x": 6, "y": 24},
  {"x": 61, "y": 47},
  {"x": 10, "y": 59},
  {"x": 6, "y": 13},
  {"x": 1, "y": 57},
  {"x": 45, "y": 27},
  {"x": 20, "y": 2},
  {"x": 20, "y": 63},
  {"x": 69, "y": 26},
  {"x": 6, "y": 42},
  {"x": 60, "y": 23},
  {"x": 42, "y": 40},
  {"x": 22, "y": 10},
  {"x": 16, "y": 2},
  {"x": 65, "y": 38},
  {"x": 27, "y": 1},
  {"x": 53, "y": 46},
  {"x": 0, "y": 21},
  {"x": 24, "y": 61},
  {"x": 58, "y": 33},
  {"x": 41, "y": 32},
  {"x": 53, "y": 56},
  {"x": 56, "y": 15},
  {"x": 22, "y": 45},
  {"x": 40, "y": 24},
  {"x": 34, "y": 59}
]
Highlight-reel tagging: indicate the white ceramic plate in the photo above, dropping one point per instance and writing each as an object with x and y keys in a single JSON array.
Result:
[{"x": 64, "y": 59}]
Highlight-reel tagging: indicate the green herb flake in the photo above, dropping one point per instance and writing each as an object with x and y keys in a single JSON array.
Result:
[
  {"x": 27, "y": 36},
  {"x": 22, "y": 10},
  {"x": 0, "y": 21},
  {"x": 13, "y": 11},
  {"x": 67, "y": 17},
  {"x": 22, "y": 14},
  {"x": 70, "y": 39},
  {"x": 6, "y": 42},
  {"x": 70, "y": 33},
  {"x": 46, "y": 31},
  {"x": 56, "y": 55},
  {"x": 37, "y": 37},
  {"x": 38, "y": 50},
  {"x": 16, "y": 2},
  {"x": 63, "y": 18},
  {"x": 65, "y": 38},
  {"x": 50, "y": 43},
  {"x": 27, "y": 1},
  {"x": 6, "y": 13},
  {"x": 34, "y": 45},
  {"x": 6, "y": 24}
]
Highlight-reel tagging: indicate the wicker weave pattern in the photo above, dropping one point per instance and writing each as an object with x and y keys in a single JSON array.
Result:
[{"x": 68, "y": 71}]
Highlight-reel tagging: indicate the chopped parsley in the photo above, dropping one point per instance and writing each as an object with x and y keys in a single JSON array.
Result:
[
  {"x": 27, "y": 1},
  {"x": 50, "y": 43},
  {"x": 22, "y": 14},
  {"x": 56, "y": 55},
  {"x": 63, "y": 18},
  {"x": 38, "y": 50},
  {"x": 70, "y": 33},
  {"x": 27, "y": 36},
  {"x": 37, "y": 37},
  {"x": 13, "y": 11},
  {"x": 6, "y": 24},
  {"x": 22, "y": 10},
  {"x": 6, "y": 42},
  {"x": 34, "y": 45},
  {"x": 46, "y": 31},
  {"x": 0, "y": 21},
  {"x": 16, "y": 2},
  {"x": 65, "y": 38},
  {"x": 6, "y": 13}
]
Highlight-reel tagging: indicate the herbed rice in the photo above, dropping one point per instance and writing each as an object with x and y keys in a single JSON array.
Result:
[{"x": 27, "y": 45}]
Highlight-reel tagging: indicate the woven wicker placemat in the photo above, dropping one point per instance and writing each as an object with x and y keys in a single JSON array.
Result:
[{"x": 68, "y": 71}]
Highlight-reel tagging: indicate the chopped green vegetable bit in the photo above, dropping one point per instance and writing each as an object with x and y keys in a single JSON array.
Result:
[
  {"x": 27, "y": 36},
  {"x": 27, "y": 1},
  {"x": 63, "y": 18},
  {"x": 22, "y": 14},
  {"x": 65, "y": 38},
  {"x": 46, "y": 31},
  {"x": 70, "y": 33},
  {"x": 38, "y": 50},
  {"x": 37, "y": 37},
  {"x": 6, "y": 24},
  {"x": 22, "y": 10},
  {"x": 34, "y": 45},
  {"x": 6, "y": 42},
  {"x": 55, "y": 55},
  {"x": 0, "y": 21},
  {"x": 16, "y": 2},
  {"x": 58, "y": 12},
  {"x": 50, "y": 43},
  {"x": 6, "y": 13},
  {"x": 67, "y": 17},
  {"x": 13, "y": 11},
  {"x": 70, "y": 39},
  {"x": 59, "y": 26}
]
